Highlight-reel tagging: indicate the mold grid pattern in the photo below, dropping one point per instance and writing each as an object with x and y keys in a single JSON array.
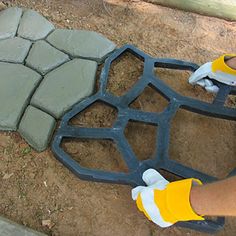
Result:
[{"x": 161, "y": 158}]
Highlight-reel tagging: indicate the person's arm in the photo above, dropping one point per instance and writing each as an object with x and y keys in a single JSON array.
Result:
[
  {"x": 231, "y": 63},
  {"x": 216, "y": 199},
  {"x": 165, "y": 203},
  {"x": 219, "y": 198}
]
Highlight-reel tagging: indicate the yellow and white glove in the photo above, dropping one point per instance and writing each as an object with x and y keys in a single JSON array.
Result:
[
  {"x": 217, "y": 70},
  {"x": 165, "y": 203}
]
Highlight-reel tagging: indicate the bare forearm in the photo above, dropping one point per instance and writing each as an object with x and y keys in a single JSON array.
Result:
[
  {"x": 231, "y": 63},
  {"x": 216, "y": 199}
]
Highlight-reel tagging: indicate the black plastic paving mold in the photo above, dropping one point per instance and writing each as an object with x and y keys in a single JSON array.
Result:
[{"x": 161, "y": 160}]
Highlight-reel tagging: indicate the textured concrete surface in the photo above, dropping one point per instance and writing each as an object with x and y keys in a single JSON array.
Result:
[
  {"x": 9, "y": 20},
  {"x": 43, "y": 57},
  {"x": 82, "y": 43},
  {"x": 65, "y": 86},
  {"x": 37, "y": 69},
  {"x": 36, "y": 127},
  {"x": 33, "y": 26},
  {"x": 17, "y": 82},
  {"x": 9, "y": 228},
  {"x": 14, "y": 49}
]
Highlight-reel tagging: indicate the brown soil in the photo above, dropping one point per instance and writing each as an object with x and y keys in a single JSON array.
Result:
[{"x": 36, "y": 187}]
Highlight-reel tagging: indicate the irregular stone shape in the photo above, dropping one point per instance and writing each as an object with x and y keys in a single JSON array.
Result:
[
  {"x": 37, "y": 127},
  {"x": 43, "y": 57},
  {"x": 65, "y": 86},
  {"x": 17, "y": 83},
  {"x": 82, "y": 43},
  {"x": 33, "y": 26},
  {"x": 9, "y": 20},
  {"x": 14, "y": 49}
]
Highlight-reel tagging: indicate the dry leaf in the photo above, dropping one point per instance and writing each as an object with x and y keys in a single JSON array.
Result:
[
  {"x": 47, "y": 223},
  {"x": 4, "y": 140},
  {"x": 2, "y": 6},
  {"x": 7, "y": 176}
]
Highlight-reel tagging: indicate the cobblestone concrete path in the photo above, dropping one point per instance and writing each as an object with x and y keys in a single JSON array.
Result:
[{"x": 44, "y": 72}]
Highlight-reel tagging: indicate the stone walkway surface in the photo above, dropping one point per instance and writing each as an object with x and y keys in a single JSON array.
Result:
[
  {"x": 9, "y": 228},
  {"x": 44, "y": 72}
]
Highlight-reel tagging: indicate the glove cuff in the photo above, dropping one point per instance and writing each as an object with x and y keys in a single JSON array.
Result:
[
  {"x": 219, "y": 65},
  {"x": 178, "y": 200}
]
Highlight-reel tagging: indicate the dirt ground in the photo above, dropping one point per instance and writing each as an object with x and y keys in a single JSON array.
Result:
[{"x": 35, "y": 187}]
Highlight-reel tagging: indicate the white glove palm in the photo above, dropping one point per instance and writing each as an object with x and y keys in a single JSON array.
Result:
[{"x": 154, "y": 181}]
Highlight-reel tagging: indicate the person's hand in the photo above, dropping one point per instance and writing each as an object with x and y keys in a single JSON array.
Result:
[
  {"x": 221, "y": 69},
  {"x": 165, "y": 203}
]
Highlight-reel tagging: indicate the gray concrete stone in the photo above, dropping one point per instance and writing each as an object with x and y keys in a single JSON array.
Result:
[
  {"x": 9, "y": 20},
  {"x": 37, "y": 127},
  {"x": 34, "y": 26},
  {"x": 43, "y": 57},
  {"x": 65, "y": 86},
  {"x": 17, "y": 83},
  {"x": 82, "y": 43},
  {"x": 14, "y": 49},
  {"x": 65, "y": 82},
  {"x": 10, "y": 228}
]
